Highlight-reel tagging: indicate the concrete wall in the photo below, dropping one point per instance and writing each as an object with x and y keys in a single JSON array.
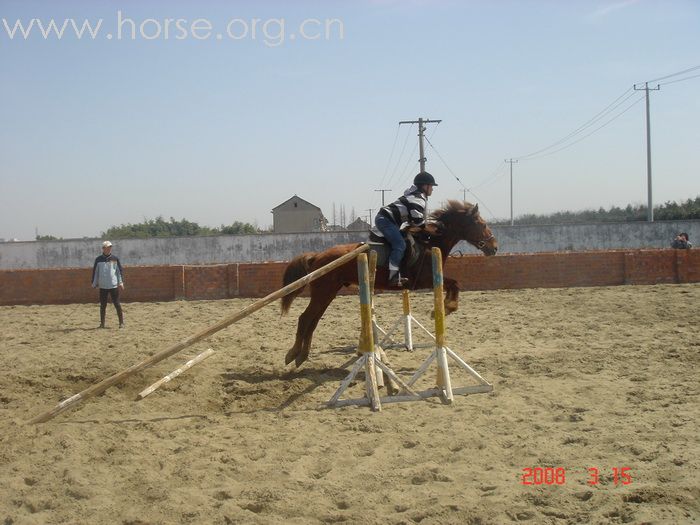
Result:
[
  {"x": 173, "y": 250},
  {"x": 583, "y": 237},
  {"x": 283, "y": 247}
]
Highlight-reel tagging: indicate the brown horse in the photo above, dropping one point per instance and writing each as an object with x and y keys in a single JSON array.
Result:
[{"x": 458, "y": 221}]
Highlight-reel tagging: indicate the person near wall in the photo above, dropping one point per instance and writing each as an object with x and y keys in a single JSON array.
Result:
[
  {"x": 681, "y": 242},
  {"x": 108, "y": 277},
  {"x": 409, "y": 209}
]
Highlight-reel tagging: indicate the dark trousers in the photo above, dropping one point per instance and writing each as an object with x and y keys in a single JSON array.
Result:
[{"x": 114, "y": 293}]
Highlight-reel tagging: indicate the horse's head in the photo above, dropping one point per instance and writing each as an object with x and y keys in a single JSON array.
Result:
[{"x": 462, "y": 220}]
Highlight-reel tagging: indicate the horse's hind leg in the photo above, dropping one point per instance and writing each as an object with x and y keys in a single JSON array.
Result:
[
  {"x": 322, "y": 294},
  {"x": 294, "y": 350}
]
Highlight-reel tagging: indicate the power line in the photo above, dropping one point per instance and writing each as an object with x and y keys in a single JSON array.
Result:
[
  {"x": 629, "y": 93},
  {"x": 492, "y": 181},
  {"x": 445, "y": 163},
  {"x": 589, "y": 134},
  {"x": 399, "y": 175},
  {"x": 679, "y": 80},
  {"x": 406, "y": 166},
  {"x": 398, "y": 160},
  {"x": 391, "y": 155},
  {"x": 458, "y": 179},
  {"x": 409, "y": 162},
  {"x": 672, "y": 75},
  {"x": 608, "y": 109},
  {"x": 494, "y": 173}
]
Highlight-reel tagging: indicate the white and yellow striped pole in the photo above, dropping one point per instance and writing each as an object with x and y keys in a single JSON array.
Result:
[
  {"x": 366, "y": 347},
  {"x": 443, "y": 375},
  {"x": 372, "y": 263},
  {"x": 407, "y": 330}
]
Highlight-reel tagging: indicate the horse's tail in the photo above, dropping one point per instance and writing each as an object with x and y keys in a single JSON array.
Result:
[{"x": 299, "y": 267}]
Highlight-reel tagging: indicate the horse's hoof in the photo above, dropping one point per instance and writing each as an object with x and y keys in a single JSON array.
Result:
[
  {"x": 291, "y": 355},
  {"x": 300, "y": 360}
]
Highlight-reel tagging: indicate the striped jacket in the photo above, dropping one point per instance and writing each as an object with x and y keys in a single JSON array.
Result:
[{"x": 409, "y": 208}]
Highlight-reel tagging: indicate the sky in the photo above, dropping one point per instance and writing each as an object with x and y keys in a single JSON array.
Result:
[{"x": 221, "y": 119}]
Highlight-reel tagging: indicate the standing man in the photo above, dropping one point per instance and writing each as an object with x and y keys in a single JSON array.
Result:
[
  {"x": 107, "y": 276},
  {"x": 409, "y": 208}
]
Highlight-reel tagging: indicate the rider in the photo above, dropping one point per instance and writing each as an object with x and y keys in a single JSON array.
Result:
[{"x": 409, "y": 209}]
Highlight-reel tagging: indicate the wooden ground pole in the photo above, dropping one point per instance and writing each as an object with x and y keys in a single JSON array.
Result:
[
  {"x": 103, "y": 385},
  {"x": 172, "y": 375}
]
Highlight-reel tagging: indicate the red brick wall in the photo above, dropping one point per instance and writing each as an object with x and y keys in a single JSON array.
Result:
[
  {"x": 540, "y": 270},
  {"x": 166, "y": 283},
  {"x": 150, "y": 283},
  {"x": 258, "y": 280},
  {"x": 207, "y": 282}
]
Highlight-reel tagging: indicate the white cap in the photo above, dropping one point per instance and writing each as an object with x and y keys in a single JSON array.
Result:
[{"x": 106, "y": 244}]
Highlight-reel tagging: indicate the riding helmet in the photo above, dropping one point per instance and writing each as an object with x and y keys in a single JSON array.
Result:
[{"x": 424, "y": 178}]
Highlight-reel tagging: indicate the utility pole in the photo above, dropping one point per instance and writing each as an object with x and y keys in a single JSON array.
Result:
[
  {"x": 369, "y": 221},
  {"x": 650, "y": 206},
  {"x": 511, "y": 161},
  {"x": 421, "y": 130},
  {"x": 464, "y": 194},
  {"x": 383, "y": 192}
]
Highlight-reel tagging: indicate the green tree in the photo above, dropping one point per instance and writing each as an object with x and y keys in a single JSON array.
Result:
[
  {"x": 238, "y": 228},
  {"x": 669, "y": 211},
  {"x": 159, "y": 227}
]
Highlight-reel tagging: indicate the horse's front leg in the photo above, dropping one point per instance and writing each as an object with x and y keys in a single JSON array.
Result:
[{"x": 452, "y": 295}]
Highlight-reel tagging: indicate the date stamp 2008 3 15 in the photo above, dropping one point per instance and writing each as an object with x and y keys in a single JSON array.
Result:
[{"x": 557, "y": 476}]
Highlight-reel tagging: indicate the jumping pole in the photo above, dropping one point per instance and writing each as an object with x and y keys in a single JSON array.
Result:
[
  {"x": 407, "y": 319},
  {"x": 442, "y": 352},
  {"x": 103, "y": 385},
  {"x": 366, "y": 346},
  {"x": 380, "y": 355},
  {"x": 369, "y": 355}
]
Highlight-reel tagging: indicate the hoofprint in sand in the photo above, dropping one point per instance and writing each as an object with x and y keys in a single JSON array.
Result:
[{"x": 584, "y": 378}]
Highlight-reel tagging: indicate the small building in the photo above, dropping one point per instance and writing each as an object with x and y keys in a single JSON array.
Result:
[
  {"x": 358, "y": 225},
  {"x": 297, "y": 215}
]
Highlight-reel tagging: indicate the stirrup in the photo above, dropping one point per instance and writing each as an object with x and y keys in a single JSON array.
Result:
[{"x": 397, "y": 281}]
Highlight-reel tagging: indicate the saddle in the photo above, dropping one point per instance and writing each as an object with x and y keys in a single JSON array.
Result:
[{"x": 383, "y": 249}]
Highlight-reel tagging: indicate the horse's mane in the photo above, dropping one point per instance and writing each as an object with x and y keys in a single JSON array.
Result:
[{"x": 451, "y": 207}]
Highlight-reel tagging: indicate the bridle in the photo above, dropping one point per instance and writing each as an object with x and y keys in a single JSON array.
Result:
[{"x": 483, "y": 242}]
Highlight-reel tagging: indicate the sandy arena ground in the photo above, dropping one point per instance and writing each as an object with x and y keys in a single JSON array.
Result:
[{"x": 600, "y": 378}]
